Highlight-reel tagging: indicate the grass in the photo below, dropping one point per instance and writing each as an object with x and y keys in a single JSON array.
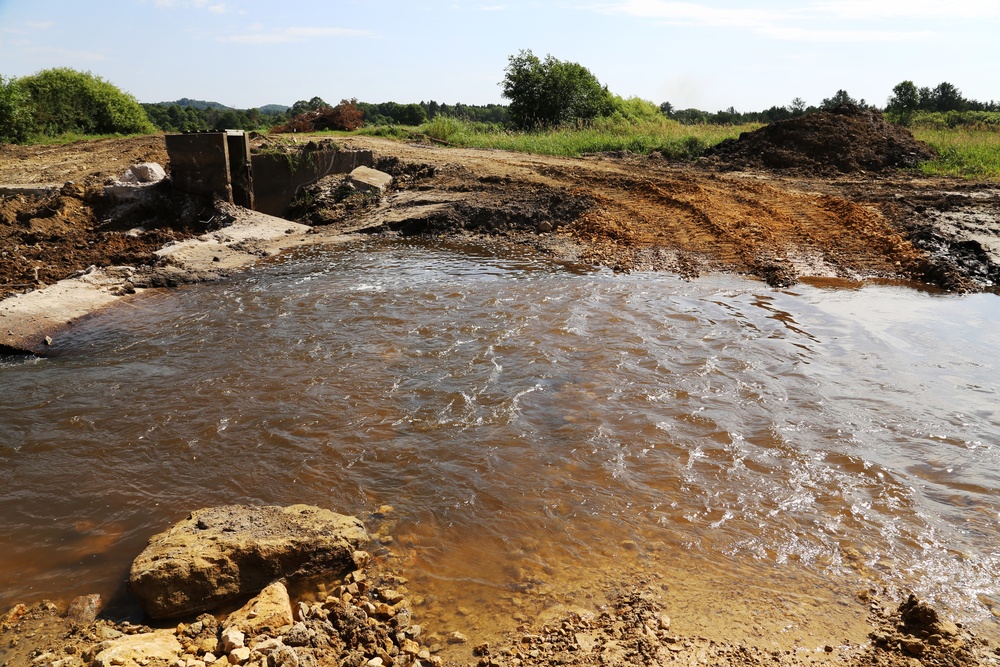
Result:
[
  {"x": 669, "y": 137},
  {"x": 73, "y": 137},
  {"x": 967, "y": 152}
]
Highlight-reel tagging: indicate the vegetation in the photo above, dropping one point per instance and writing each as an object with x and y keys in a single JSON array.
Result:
[
  {"x": 968, "y": 152},
  {"x": 15, "y": 116},
  {"x": 62, "y": 100},
  {"x": 550, "y": 92},
  {"x": 556, "y": 108}
]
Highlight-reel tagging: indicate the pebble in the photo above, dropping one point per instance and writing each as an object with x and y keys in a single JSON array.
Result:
[{"x": 457, "y": 637}]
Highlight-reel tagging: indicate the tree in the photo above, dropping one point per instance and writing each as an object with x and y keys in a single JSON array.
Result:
[
  {"x": 550, "y": 92},
  {"x": 904, "y": 102},
  {"x": 946, "y": 97},
  {"x": 840, "y": 98},
  {"x": 15, "y": 113},
  {"x": 797, "y": 107},
  {"x": 302, "y": 106},
  {"x": 666, "y": 109},
  {"x": 64, "y": 100},
  {"x": 905, "y": 98}
]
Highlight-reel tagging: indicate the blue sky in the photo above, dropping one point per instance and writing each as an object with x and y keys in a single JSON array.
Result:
[{"x": 708, "y": 54}]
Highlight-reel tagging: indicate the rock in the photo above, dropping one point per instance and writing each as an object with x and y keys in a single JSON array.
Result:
[
  {"x": 270, "y": 610},
  {"x": 457, "y": 638},
  {"x": 144, "y": 172},
  {"x": 221, "y": 554},
  {"x": 232, "y": 638},
  {"x": 151, "y": 649},
  {"x": 83, "y": 611},
  {"x": 366, "y": 179},
  {"x": 239, "y": 656}
]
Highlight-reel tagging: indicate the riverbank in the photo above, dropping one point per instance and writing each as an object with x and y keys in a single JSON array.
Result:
[{"x": 371, "y": 618}]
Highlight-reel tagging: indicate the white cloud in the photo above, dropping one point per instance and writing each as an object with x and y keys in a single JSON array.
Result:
[
  {"x": 207, "y": 5},
  {"x": 689, "y": 13},
  {"x": 908, "y": 9},
  {"x": 821, "y": 20},
  {"x": 293, "y": 34}
]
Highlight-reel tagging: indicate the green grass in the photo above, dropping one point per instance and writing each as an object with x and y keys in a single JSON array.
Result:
[
  {"x": 73, "y": 137},
  {"x": 966, "y": 152},
  {"x": 669, "y": 137}
]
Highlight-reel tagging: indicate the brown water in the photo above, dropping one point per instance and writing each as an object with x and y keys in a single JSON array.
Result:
[{"x": 756, "y": 455}]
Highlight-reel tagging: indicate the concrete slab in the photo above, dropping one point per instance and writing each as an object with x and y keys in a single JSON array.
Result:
[{"x": 366, "y": 179}]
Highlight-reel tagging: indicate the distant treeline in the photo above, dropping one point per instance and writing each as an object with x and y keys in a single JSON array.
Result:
[
  {"x": 188, "y": 115},
  {"x": 943, "y": 105}
]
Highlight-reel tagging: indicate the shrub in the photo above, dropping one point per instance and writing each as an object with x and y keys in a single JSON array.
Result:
[
  {"x": 15, "y": 113},
  {"x": 64, "y": 100}
]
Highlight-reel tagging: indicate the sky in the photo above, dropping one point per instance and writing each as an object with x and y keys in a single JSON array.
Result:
[{"x": 706, "y": 54}]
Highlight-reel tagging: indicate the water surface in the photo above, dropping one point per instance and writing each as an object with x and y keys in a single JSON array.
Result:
[{"x": 756, "y": 455}]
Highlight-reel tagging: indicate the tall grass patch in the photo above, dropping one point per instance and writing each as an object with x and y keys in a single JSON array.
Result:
[
  {"x": 620, "y": 132},
  {"x": 968, "y": 152}
]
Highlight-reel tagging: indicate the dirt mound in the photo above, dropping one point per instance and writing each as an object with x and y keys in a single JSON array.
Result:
[{"x": 846, "y": 139}]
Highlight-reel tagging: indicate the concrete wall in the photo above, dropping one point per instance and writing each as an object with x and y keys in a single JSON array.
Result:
[
  {"x": 199, "y": 164},
  {"x": 277, "y": 178}
]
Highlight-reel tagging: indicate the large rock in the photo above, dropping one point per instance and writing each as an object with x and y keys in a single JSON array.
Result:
[
  {"x": 151, "y": 649},
  {"x": 226, "y": 553}
]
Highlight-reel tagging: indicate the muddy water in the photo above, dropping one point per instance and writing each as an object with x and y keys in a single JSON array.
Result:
[{"x": 755, "y": 456}]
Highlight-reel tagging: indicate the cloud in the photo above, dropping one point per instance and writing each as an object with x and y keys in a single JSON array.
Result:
[
  {"x": 807, "y": 22},
  {"x": 207, "y": 5},
  {"x": 293, "y": 34},
  {"x": 908, "y": 9},
  {"x": 689, "y": 13},
  {"x": 492, "y": 8}
]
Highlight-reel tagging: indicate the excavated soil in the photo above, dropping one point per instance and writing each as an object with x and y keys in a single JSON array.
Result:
[
  {"x": 845, "y": 140},
  {"x": 625, "y": 212}
]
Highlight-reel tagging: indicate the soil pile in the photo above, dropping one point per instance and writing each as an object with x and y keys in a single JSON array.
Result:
[{"x": 846, "y": 139}]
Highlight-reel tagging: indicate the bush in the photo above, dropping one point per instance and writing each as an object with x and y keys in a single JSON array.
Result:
[
  {"x": 550, "y": 92},
  {"x": 15, "y": 113},
  {"x": 63, "y": 100}
]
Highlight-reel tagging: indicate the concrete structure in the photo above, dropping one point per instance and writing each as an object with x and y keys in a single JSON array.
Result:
[{"x": 219, "y": 164}]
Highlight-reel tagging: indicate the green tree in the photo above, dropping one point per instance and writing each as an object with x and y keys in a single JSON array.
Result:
[
  {"x": 840, "y": 98},
  {"x": 550, "y": 92},
  {"x": 15, "y": 113},
  {"x": 946, "y": 97},
  {"x": 64, "y": 100},
  {"x": 905, "y": 101}
]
